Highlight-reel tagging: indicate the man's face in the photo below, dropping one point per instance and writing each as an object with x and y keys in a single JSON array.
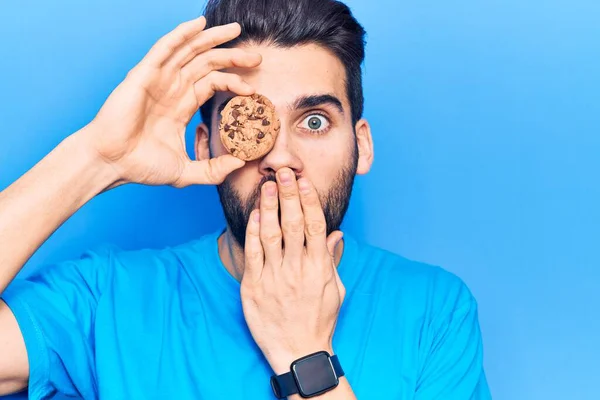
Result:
[{"x": 307, "y": 86}]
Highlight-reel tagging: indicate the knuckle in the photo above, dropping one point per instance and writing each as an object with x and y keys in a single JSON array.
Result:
[
  {"x": 213, "y": 40},
  {"x": 316, "y": 228},
  {"x": 311, "y": 199},
  {"x": 245, "y": 290},
  {"x": 182, "y": 26},
  {"x": 141, "y": 73},
  {"x": 211, "y": 171},
  {"x": 211, "y": 63},
  {"x": 328, "y": 275},
  {"x": 248, "y": 290},
  {"x": 212, "y": 77},
  {"x": 178, "y": 184},
  {"x": 185, "y": 75},
  {"x": 272, "y": 238},
  {"x": 270, "y": 205},
  {"x": 254, "y": 257},
  {"x": 178, "y": 36},
  {"x": 290, "y": 283},
  {"x": 289, "y": 194},
  {"x": 133, "y": 71},
  {"x": 189, "y": 47},
  {"x": 293, "y": 226}
]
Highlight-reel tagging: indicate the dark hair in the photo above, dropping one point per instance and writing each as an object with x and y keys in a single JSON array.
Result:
[{"x": 288, "y": 23}]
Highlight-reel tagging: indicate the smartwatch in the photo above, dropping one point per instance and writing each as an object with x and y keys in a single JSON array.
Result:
[{"x": 309, "y": 376}]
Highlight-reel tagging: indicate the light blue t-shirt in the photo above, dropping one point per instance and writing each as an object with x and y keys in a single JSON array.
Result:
[{"x": 168, "y": 324}]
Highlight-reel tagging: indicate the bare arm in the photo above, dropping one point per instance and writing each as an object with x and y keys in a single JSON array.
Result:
[
  {"x": 33, "y": 207},
  {"x": 138, "y": 136}
]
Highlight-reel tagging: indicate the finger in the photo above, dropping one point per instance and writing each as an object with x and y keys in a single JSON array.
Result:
[
  {"x": 166, "y": 46},
  {"x": 292, "y": 219},
  {"x": 209, "y": 172},
  {"x": 217, "y": 59},
  {"x": 217, "y": 81},
  {"x": 315, "y": 226},
  {"x": 270, "y": 232},
  {"x": 253, "y": 251},
  {"x": 202, "y": 42}
]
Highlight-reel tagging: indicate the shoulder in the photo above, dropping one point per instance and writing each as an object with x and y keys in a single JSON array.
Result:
[
  {"x": 403, "y": 280},
  {"x": 106, "y": 263},
  {"x": 160, "y": 260}
]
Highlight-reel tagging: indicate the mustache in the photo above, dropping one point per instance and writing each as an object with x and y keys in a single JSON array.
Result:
[{"x": 254, "y": 198}]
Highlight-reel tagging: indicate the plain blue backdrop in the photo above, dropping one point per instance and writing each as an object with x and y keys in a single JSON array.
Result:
[{"x": 486, "y": 121}]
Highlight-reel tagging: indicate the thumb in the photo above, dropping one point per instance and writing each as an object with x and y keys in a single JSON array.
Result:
[
  {"x": 209, "y": 171},
  {"x": 332, "y": 241}
]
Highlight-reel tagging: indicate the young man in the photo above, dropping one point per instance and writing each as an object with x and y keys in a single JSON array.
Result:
[{"x": 276, "y": 304}]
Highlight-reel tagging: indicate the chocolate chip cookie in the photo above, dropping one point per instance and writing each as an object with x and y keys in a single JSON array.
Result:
[{"x": 249, "y": 126}]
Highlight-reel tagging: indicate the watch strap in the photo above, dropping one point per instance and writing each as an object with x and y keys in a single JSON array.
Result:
[
  {"x": 337, "y": 367},
  {"x": 284, "y": 385}
]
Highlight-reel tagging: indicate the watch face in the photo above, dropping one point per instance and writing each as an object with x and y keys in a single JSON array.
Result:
[{"x": 314, "y": 375}]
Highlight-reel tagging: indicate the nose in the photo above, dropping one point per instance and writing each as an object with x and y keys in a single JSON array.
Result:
[{"x": 283, "y": 154}]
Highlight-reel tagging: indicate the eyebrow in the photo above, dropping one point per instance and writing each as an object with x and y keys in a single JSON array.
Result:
[
  {"x": 303, "y": 102},
  {"x": 318, "y": 100}
]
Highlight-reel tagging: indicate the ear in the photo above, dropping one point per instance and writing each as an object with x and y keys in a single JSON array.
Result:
[
  {"x": 364, "y": 141},
  {"x": 202, "y": 142}
]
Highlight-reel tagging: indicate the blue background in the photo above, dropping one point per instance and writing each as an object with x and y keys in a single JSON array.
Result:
[{"x": 486, "y": 119}]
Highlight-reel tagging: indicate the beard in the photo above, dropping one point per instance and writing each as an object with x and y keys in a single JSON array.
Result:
[{"x": 334, "y": 202}]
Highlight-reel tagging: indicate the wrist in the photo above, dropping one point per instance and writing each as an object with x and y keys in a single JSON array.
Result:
[{"x": 102, "y": 174}]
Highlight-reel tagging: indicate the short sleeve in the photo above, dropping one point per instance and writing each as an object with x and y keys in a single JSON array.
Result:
[
  {"x": 55, "y": 309},
  {"x": 453, "y": 366}
]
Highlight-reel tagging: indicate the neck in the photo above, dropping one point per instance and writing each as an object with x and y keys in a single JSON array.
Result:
[{"x": 232, "y": 254}]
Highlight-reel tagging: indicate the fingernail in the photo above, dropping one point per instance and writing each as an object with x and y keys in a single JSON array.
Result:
[{"x": 285, "y": 177}]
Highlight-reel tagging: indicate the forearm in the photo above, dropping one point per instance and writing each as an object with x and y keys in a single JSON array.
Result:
[{"x": 34, "y": 206}]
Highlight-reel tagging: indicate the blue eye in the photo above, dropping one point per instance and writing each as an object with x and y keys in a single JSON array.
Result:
[{"x": 315, "y": 122}]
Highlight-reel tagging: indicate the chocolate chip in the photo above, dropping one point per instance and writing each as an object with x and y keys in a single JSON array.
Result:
[
  {"x": 235, "y": 113},
  {"x": 260, "y": 110},
  {"x": 258, "y": 142},
  {"x": 261, "y": 135},
  {"x": 227, "y": 128},
  {"x": 266, "y": 123},
  {"x": 231, "y": 135},
  {"x": 232, "y": 149}
]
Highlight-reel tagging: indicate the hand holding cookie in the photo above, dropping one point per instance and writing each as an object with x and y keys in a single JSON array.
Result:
[{"x": 140, "y": 130}]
